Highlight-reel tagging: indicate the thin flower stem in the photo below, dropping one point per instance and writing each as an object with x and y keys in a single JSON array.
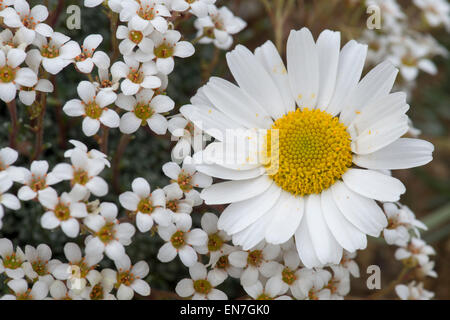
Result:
[
  {"x": 40, "y": 127},
  {"x": 391, "y": 286},
  {"x": 59, "y": 118},
  {"x": 104, "y": 140},
  {"x": 123, "y": 142},
  {"x": 196, "y": 40},
  {"x": 14, "y": 124},
  {"x": 208, "y": 68},
  {"x": 114, "y": 20}
]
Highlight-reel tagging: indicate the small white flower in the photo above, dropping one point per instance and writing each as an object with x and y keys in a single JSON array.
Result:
[
  {"x": 145, "y": 12},
  {"x": 92, "y": 154},
  {"x": 5, "y": 4},
  {"x": 88, "y": 58},
  {"x": 39, "y": 264},
  {"x": 216, "y": 246},
  {"x": 58, "y": 291},
  {"x": 289, "y": 275},
  {"x": 7, "y": 199},
  {"x": 128, "y": 278},
  {"x": 105, "y": 82},
  {"x": 417, "y": 250},
  {"x": 110, "y": 236},
  {"x": 84, "y": 171},
  {"x": 401, "y": 220},
  {"x": 11, "y": 261},
  {"x": 148, "y": 207},
  {"x": 271, "y": 291},
  {"x": 133, "y": 36},
  {"x": 36, "y": 180},
  {"x": 29, "y": 21},
  {"x": 7, "y": 157},
  {"x": 198, "y": 7},
  {"x": 144, "y": 109},
  {"x": 137, "y": 76},
  {"x": 436, "y": 12},
  {"x": 64, "y": 211},
  {"x": 16, "y": 40},
  {"x": 256, "y": 261},
  {"x": 55, "y": 54},
  {"x": 179, "y": 209},
  {"x": 187, "y": 178},
  {"x": 413, "y": 291},
  {"x": 218, "y": 27},
  {"x": 92, "y": 3},
  {"x": 180, "y": 241},
  {"x": 27, "y": 95},
  {"x": 38, "y": 291},
  {"x": 94, "y": 108},
  {"x": 11, "y": 74},
  {"x": 187, "y": 135},
  {"x": 410, "y": 57},
  {"x": 78, "y": 269},
  {"x": 99, "y": 288},
  {"x": 349, "y": 264},
  {"x": 168, "y": 46},
  {"x": 202, "y": 284}
]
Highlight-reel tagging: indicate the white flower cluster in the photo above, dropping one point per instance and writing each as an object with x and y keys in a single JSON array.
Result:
[
  {"x": 135, "y": 79},
  {"x": 403, "y": 231},
  {"x": 408, "y": 45}
]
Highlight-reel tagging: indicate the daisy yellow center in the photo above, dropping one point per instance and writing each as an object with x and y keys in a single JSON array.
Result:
[
  {"x": 202, "y": 286},
  {"x": 164, "y": 51},
  {"x": 7, "y": 74},
  {"x": 313, "y": 151},
  {"x": 136, "y": 36}
]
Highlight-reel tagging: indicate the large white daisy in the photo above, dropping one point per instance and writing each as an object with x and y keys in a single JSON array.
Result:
[{"x": 335, "y": 135}]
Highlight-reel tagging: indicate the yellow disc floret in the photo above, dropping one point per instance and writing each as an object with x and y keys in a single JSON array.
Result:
[{"x": 311, "y": 152}]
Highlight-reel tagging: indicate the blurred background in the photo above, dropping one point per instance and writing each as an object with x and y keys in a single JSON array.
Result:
[{"x": 428, "y": 187}]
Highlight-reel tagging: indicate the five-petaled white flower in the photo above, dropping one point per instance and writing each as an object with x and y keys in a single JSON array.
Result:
[
  {"x": 149, "y": 207},
  {"x": 202, "y": 285},
  {"x": 11, "y": 74},
  {"x": 94, "y": 108},
  {"x": 109, "y": 235},
  {"x": 144, "y": 109}
]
